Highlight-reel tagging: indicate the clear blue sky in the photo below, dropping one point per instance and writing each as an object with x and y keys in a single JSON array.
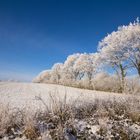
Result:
[{"x": 35, "y": 34}]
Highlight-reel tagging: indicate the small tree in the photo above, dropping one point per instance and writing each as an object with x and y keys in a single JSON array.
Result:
[{"x": 43, "y": 77}]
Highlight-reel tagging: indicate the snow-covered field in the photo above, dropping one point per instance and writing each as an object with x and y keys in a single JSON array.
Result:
[
  {"x": 117, "y": 117},
  {"x": 25, "y": 94}
]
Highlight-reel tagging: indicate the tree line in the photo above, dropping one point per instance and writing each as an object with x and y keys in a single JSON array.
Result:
[{"x": 119, "y": 51}]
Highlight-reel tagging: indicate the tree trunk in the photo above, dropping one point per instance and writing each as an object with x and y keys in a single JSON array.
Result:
[
  {"x": 138, "y": 69},
  {"x": 89, "y": 77},
  {"x": 123, "y": 74}
]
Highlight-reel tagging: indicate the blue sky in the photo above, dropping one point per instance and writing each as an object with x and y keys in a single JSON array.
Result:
[{"x": 35, "y": 34}]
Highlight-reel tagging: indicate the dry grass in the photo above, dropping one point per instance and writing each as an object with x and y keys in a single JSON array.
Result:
[{"x": 60, "y": 119}]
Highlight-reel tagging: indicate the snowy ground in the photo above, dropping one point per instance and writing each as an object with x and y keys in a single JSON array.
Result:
[
  {"x": 24, "y": 94},
  {"x": 111, "y": 119}
]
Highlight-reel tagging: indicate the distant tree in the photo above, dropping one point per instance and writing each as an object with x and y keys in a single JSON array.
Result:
[
  {"x": 77, "y": 69},
  {"x": 43, "y": 77},
  {"x": 68, "y": 73},
  {"x": 85, "y": 66},
  {"x": 56, "y": 73}
]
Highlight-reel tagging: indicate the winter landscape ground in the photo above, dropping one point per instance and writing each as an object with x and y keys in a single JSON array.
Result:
[
  {"x": 54, "y": 112},
  {"x": 24, "y": 94}
]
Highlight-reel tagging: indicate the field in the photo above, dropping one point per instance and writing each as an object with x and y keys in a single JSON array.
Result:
[
  {"x": 48, "y": 112},
  {"x": 25, "y": 94}
]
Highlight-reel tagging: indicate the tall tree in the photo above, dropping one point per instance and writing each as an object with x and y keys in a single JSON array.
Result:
[{"x": 121, "y": 49}]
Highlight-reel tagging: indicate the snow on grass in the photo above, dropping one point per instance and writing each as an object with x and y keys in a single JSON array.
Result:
[
  {"x": 26, "y": 94},
  {"x": 44, "y": 111}
]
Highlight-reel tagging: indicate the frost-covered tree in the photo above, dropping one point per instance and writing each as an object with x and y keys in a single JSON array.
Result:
[
  {"x": 132, "y": 44},
  {"x": 84, "y": 66},
  {"x": 113, "y": 57},
  {"x": 68, "y": 73},
  {"x": 43, "y": 77},
  {"x": 56, "y": 73},
  {"x": 121, "y": 49},
  {"x": 78, "y": 69}
]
